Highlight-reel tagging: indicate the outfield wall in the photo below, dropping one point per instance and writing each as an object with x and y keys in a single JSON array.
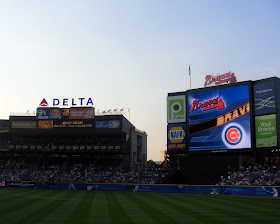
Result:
[{"x": 268, "y": 191}]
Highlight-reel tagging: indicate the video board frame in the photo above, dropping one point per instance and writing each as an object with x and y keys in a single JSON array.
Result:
[{"x": 219, "y": 126}]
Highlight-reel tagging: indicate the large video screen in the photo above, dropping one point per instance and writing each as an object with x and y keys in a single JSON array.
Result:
[{"x": 219, "y": 119}]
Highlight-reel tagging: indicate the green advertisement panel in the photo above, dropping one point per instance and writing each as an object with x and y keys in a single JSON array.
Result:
[
  {"x": 266, "y": 133},
  {"x": 176, "y": 109}
]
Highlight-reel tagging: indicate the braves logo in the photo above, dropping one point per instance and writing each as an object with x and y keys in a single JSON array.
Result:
[{"x": 233, "y": 135}]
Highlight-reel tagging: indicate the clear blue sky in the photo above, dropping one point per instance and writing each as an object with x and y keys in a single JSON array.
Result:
[{"x": 131, "y": 54}]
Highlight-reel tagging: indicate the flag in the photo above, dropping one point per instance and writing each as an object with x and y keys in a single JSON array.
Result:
[
  {"x": 189, "y": 70},
  {"x": 109, "y": 111}
]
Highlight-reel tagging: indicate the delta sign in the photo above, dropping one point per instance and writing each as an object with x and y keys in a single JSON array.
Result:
[{"x": 66, "y": 102}]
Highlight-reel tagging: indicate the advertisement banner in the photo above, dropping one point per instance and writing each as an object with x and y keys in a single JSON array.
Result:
[
  {"x": 48, "y": 113},
  {"x": 219, "y": 119},
  {"x": 176, "y": 137},
  {"x": 266, "y": 131},
  {"x": 2, "y": 183},
  {"x": 45, "y": 124},
  {"x": 72, "y": 124},
  {"x": 108, "y": 124},
  {"x": 176, "y": 109},
  {"x": 65, "y": 113},
  {"x": 22, "y": 184},
  {"x": 264, "y": 94},
  {"x": 24, "y": 124},
  {"x": 82, "y": 113}
]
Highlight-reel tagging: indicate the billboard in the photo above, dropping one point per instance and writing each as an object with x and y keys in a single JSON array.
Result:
[
  {"x": 176, "y": 137},
  {"x": 82, "y": 113},
  {"x": 48, "y": 113},
  {"x": 22, "y": 184},
  {"x": 45, "y": 124},
  {"x": 72, "y": 124},
  {"x": 266, "y": 131},
  {"x": 176, "y": 109},
  {"x": 219, "y": 119},
  {"x": 108, "y": 124},
  {"x": 264, "y": 94},
  {"x": 24, "y": 124}
]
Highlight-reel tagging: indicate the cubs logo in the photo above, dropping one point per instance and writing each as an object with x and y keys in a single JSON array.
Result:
[{"x": 233, "y": 135}]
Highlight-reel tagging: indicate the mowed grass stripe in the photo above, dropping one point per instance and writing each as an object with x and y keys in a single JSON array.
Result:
[
  {"x": 176, "y": 207},
  {"x": 117, "y": 209},
  {"x": 155, "y": 211},
  {"x": 133, "y": 210},
  {"x": 61, "y": 214},
  {"x": 7, "y": 191},
  {"x": 16, "y": 203},
  {"x": 80, "y": 213},
  {"x": 189, "y": 208},
  {"x": 255, "y": 212},
  {"x": 236, "y": 210},
  {"x": 99, "y": 212},
  {"x": 45, "y": 206},
  {"x": 11, "y": 194},
  {"x": 214, "y": 209}
]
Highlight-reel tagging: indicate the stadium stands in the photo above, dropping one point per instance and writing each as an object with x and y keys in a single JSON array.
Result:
[
  {"x": 260, "y": 177},
  {"x": 58, "y": 170}
]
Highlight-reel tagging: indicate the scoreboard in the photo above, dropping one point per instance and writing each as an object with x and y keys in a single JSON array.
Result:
[
  {"x": 51, "y": 113},
  {"x": 54, "y": 117}
]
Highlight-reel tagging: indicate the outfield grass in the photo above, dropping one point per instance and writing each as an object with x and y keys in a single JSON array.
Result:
[{"x": 59, "y": 206}]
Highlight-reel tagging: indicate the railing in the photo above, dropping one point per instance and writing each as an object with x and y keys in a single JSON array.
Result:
[{"x": 23, "y": 114}]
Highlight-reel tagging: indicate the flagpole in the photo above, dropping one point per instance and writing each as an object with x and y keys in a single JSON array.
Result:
[{"x": 190, "y": 77}]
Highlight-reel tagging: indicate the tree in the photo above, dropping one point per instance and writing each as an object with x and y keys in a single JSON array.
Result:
[{"x": 151, "y": 163}]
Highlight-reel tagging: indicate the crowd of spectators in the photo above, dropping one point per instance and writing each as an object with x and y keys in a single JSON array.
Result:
[
  {"x": 252, "y": 176},
  {"x": 14, "y": 170}
]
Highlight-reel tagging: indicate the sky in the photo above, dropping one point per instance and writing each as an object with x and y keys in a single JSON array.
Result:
[{"x": 130, "y": 54}]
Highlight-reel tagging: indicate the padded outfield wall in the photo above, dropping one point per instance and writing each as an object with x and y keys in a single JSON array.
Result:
[{"x": 266, "y": 191}]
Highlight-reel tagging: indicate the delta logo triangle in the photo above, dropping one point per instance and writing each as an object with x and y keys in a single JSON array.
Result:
[{"x": 44, "y": 103}]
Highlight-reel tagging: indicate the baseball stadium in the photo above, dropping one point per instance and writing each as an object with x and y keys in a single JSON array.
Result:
[{"x": 70, "y": 164}]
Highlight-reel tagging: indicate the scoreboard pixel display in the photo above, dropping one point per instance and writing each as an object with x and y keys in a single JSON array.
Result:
[{"x": 219, "y": 119}]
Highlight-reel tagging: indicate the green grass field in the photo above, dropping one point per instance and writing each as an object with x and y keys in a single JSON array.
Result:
[{"x": 59, "y": 206}]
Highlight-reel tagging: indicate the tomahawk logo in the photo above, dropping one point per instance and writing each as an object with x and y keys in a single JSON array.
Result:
[{"x": 233, "y": 135}]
